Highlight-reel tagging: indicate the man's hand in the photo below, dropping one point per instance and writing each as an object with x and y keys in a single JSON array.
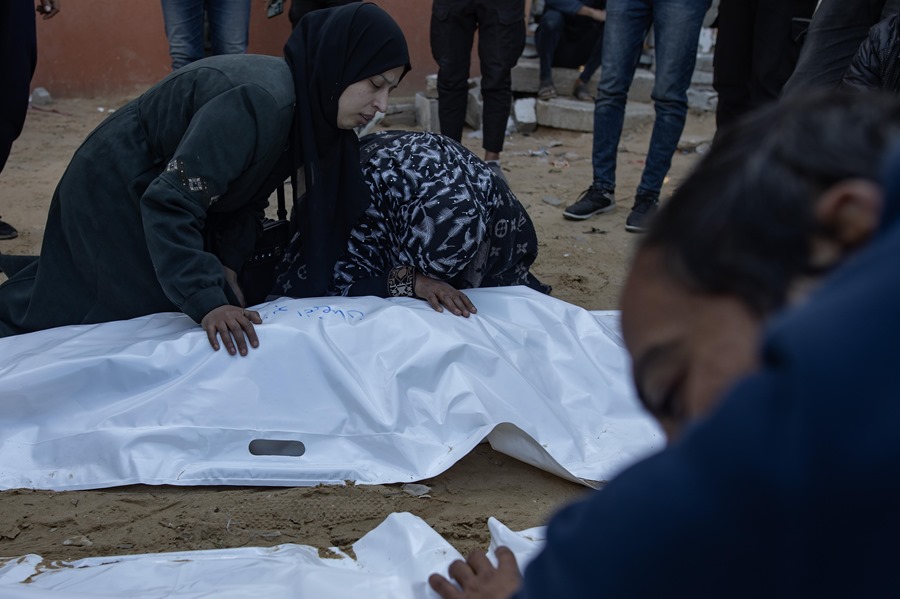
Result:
[
  {"x": 231, "y": 323},
  {"x": 47, "y": 8},
  {"x": 443, "y": 295},
  {"x": 478, "y": 577},
  {"x": 597, "y": 14}
]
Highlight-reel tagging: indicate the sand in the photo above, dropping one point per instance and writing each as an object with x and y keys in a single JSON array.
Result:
[{"x": 585, "y": 262}]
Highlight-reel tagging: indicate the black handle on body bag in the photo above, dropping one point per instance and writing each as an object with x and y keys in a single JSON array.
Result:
[{"x": 258, "y": 273}]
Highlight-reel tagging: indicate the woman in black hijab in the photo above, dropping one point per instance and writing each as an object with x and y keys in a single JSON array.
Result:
[
  {"x": 160, "y": 206},
  {"x": 334, "y": 58}
]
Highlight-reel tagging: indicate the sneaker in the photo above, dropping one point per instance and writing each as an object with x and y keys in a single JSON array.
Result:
[
  {"x": 547, "y": 91},
  {"x": 645, "y": 207},
  {"x": 494, "y": 165},
  {"x": 592, "y": 201},
  {"x": 7, "y": 231},
  {"x": 581, "y": 91}
]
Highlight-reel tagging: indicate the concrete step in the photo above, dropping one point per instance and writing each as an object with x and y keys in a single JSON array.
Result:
[{"x": 565, "y": 113}]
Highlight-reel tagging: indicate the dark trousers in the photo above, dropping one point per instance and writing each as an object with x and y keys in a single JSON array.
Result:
[
  {"x": 18, "y": 57},
  {"x": 838, "y": 28},
  {"x": 756, "y": 51},
  {"x": 501, "y": 39},
  {"x": 570, "y": 42},
  {"x": 301, "y": 7}
]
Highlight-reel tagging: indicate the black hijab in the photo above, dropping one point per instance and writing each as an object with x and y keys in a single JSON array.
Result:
[{"x": 329, "y": 50}]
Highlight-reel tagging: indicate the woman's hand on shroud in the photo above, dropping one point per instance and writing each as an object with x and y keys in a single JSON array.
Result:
[
  {"x": 231, "y": 323},
  {"x": 443, "y": 295}
]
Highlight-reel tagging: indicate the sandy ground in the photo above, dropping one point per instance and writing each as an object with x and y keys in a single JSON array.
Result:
[{"x": 585, "y": 262}]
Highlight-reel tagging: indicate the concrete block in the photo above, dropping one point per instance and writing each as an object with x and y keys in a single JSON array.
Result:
[
  {"x": 400, "y": 114},
  {"x": 525, "y": 115},
  {"x": 563, "y": 113},
  {"x": 638, "y": 115},
  {"x": 702, "y": 79},
  {"x": 707, "y": 40},
  {"x": 431, "y": 86},
  {"x": 642, "y": 87},
  {"x": 427, "y": 113},
  {"x": 474, "y": 107},
  {"x": 702, "y": 100},
  {"x": 704, "y": 63},
  {"x": 526, "y": 78}
]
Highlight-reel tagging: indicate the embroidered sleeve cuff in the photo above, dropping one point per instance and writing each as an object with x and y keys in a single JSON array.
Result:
[{"x": 402, "y": 281}]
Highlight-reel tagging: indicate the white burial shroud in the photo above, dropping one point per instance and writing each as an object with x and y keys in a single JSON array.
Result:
[
  {"x": 393, "y": 560},
  {"x": 341, "y": 389}
]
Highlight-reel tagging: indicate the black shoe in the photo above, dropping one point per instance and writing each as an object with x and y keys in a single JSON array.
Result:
[
  {"x": 581, "y": 91},
  {"x": 645, "y": 207},
  {"x": 592, "y": 201},
  {"x": 7, "y": 231}
]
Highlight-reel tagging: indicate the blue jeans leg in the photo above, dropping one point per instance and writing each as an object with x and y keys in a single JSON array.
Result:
[
  {"x": 627, "y": 23},
  {"x": 547, "y": 39},
  {"x": 676, "y": 26},
  {"x": 184, "y": 29},
  {"x": 229, "y": 26}
]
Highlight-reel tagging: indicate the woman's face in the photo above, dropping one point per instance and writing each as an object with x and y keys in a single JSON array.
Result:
[
  {"x": 361, "y": 100},
  {"x": 687, "y": 348}
]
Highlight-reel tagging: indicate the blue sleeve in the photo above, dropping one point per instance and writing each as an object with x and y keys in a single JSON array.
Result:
[{"x": 660, "y": 528}]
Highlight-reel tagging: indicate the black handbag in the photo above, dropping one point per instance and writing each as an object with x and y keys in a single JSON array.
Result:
[{"x": 258, "y": 274}]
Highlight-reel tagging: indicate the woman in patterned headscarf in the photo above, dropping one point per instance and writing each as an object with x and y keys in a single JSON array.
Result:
[
  {"x": 439, "y": 221},
  {"x": 195, "y": 159}
]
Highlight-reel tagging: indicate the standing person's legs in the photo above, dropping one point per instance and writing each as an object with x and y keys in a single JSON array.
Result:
[
  {"x": 676, "y": 26},
  {"x": 18, "y": 57},
  {"x": 184, "y": 30},
  {"x": 501, "y": 39},
  {"x": 547, "y": 39},
  {"x": 627, "y": 23},
  {"x": 452, "y": 33},
  {"x": 229, "y": 26},
  {"x": 837, "y": 29},
  {"x": 733, "y": 59}
]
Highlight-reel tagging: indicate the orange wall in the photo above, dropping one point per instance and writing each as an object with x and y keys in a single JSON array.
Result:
[{"x": 97, "y": 47}]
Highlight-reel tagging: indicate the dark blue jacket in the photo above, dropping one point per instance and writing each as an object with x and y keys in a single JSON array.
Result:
[{"x": 790, "y": 489}]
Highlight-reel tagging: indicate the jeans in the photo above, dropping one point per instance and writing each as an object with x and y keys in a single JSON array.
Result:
[
  {"x": 837, "y": 29},
  {"x": 501, "y": 39},
  {"x": 676, "y": 26},
  {"x": 229, "y": 28},
  {"x": 570, "y": 42}
]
